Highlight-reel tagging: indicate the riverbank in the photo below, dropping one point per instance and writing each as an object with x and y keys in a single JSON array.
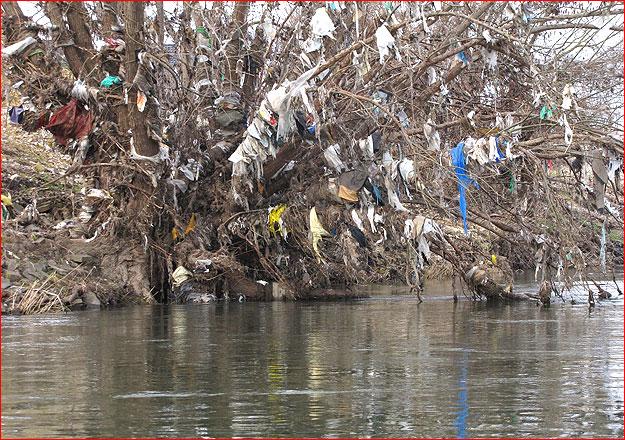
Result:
[{"x": 50, "y": 263}]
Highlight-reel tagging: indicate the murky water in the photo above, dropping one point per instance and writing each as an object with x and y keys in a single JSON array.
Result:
[{"x": 385, "y": 366}]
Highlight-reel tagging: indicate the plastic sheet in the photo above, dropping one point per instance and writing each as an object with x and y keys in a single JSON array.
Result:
[
  {"x": 464, "y": 181},
  {"x": 385, "y": 42},
  {"x": 17, "y": 48},
  {"x": 317, "y": 232},
  {"x": 331, "y": 155},
  {"x": 72, "y": 121},
  {"x": 432, "y": 136},
  {"x": 321, "y": 24}
]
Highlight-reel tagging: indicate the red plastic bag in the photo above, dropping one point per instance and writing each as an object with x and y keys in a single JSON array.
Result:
[{"x": 72, "y": 121}]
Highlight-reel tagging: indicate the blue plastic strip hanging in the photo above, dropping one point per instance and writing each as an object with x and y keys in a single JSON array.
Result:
[
  {"x": 500, "y": 155},
  {"x": 464, "y": 181}
]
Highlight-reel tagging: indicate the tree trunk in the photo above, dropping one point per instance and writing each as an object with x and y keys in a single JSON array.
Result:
[
  {"x": 134, "y": 16},
  {"x": 73, "y": 54},
  {"x": 233, "y": 51},
  {"x": 77, "y": 18}
]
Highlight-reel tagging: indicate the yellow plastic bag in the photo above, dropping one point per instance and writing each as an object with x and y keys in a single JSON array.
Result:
[
  {"x": 347, "y": 194},
  {"x": 6, "y": 200},
  {"x": 191, "y": 226},
  {"x": 317, "y": 233},
  {"x": 275, "y": 218}
]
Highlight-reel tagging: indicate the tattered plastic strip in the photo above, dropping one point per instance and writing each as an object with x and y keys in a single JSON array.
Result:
[
  {"x": 331, "y": 155},
  {"x": 432, "y": 136},
  {"x": 464, "y": 181},
  {"x": 317, "y": 232},
  {"x": 385, "y": 42},
  {"x": 568, "y": 131},
  {"x": 17, "y": 48}
]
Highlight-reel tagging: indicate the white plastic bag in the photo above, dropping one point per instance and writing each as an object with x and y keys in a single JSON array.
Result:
[
  {"x": 385, "y": 42},
  {"x": 321, "y": 23},
  {"x": 16, "y": 48}
]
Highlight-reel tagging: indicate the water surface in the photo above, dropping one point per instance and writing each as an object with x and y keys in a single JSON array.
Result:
[{"x": 385, "y": 366}]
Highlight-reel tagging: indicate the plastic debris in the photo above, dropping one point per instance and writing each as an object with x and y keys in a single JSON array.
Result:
[
  {"x": 403, "y": 119},
  {"x": 6, "y": 202},
  {"x": 432, "y": 136},
  {"x": 568, "y": 131},
  {"x": 358, "y": 235},
  {"x": 371, "y": 217},
  {"x": 142, "y": 99},
  {"x": 488, "y": 37},
  {"x": 347, "y": 194},
  {"x": 80, "y": 91},
  {"x": 357, "y": 220},
  {"x": 546, "y": 113},
  {"x": 602, "y": 248},
  {"x": 385, "y": 42},
  {"x": 180, "y": 275},
  {"x": 366, "y": 145},
  {"x": 321, "y": 24},
  {"x": 191, "y": 170},
  {"x": 393, "y": 198},
  {"x": 115, "y": 44},
  {"x": 331, "y": 155},
  {"x": 111, "y": 81},
  {"x": 17, "y": 48},
  {"x": 464, "y": 181},
  {"x": 353, "y": 180},
  {"x": 567, "y": 97},
  {"x": 6, "y": 199},
  {"x": 614, "y": 165},
  {"x": 274, "y": 220},
  {"x": 72, "y": 121},
  {"x": 318, "y": 232},
  {"x": 494, "y": 153},
  {"x": 462, "y": 57},
  {"x": 490, "y": 58},
  {"x": 432, "y": 75},
  {"x": 407, "y": 173},
  {"x": 16, "y": 115},
  {"x": 191, "y": 225}
]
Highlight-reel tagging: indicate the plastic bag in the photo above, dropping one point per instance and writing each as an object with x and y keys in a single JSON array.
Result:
[
  {"x": 321, "y": 23},
  {"x": 385, "y": 42},
  {"x": 17, "y": 48},
  {"x": 317, "y": 232}
]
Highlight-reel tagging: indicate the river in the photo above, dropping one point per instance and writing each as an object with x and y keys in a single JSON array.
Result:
[{"x": 384, "y": 366}]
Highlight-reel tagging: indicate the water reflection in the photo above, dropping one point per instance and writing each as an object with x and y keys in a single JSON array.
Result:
[{"x": 380, "y": 367}]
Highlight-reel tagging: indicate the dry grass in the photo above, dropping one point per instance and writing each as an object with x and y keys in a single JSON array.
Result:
[{"x": 52, "y": 295}]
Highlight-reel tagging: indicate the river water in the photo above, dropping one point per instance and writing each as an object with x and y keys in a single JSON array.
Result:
[{"x": 384, "y": 366}]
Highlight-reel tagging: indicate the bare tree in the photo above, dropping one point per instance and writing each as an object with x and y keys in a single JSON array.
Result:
[{"x": 356, "y": 110}]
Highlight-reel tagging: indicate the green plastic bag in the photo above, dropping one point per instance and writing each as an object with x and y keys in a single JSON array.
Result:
[
  {"x": 110, "y": 81},
  {"x": 546, "y": 112}
]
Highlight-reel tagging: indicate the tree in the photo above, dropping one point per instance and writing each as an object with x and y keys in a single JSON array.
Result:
[{"x": 395, "y": 86}]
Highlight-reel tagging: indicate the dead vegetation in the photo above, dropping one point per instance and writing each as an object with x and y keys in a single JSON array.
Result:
[{"x": 228, "y": 147}]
